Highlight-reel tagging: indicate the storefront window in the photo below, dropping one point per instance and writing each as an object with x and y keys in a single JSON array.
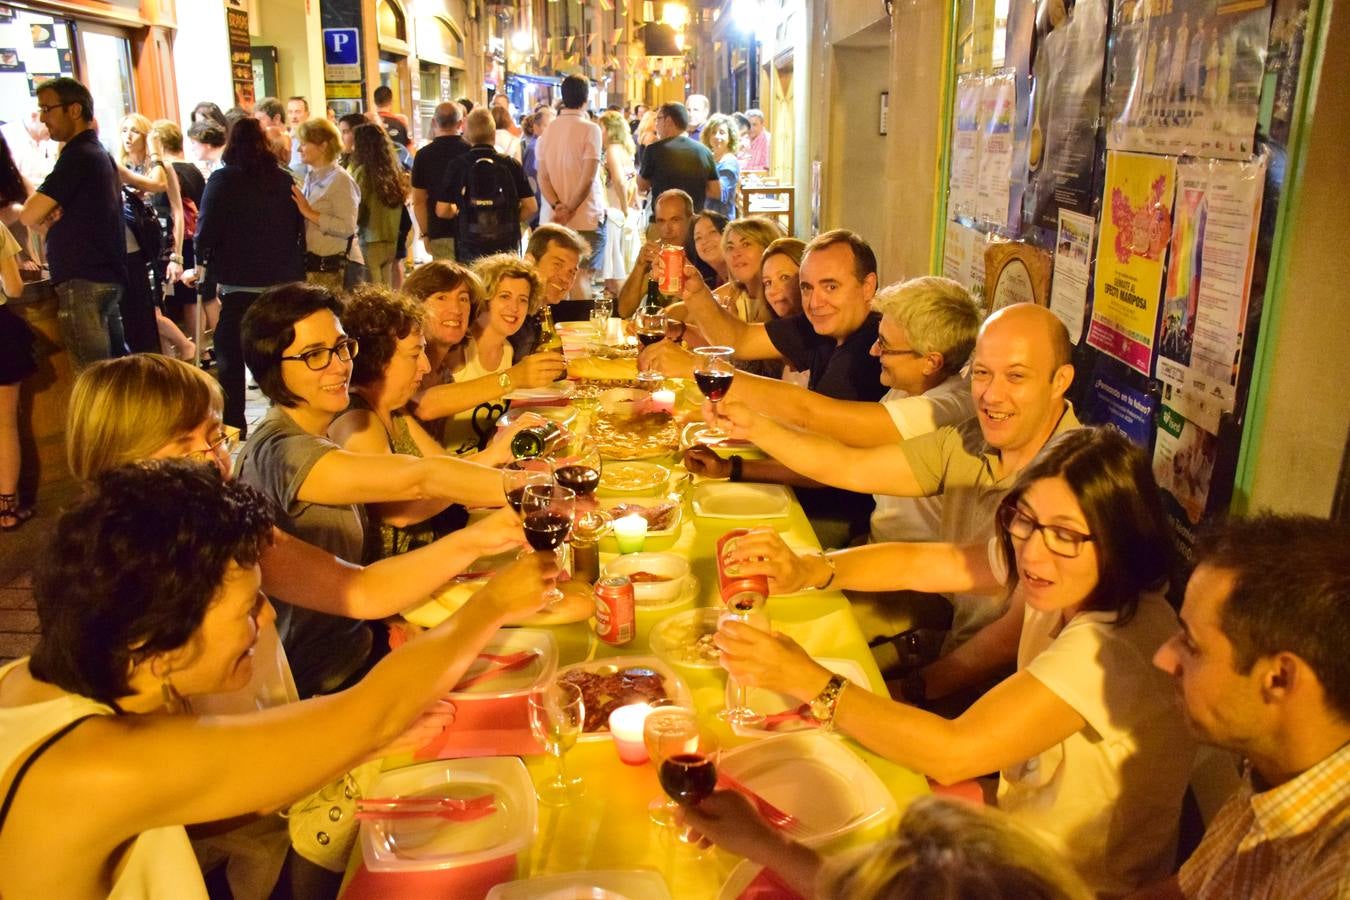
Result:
[
  {"x": 107, "y": 71},
  {"x": 33, "y": 48}
]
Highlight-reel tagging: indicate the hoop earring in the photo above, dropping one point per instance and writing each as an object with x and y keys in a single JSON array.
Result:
[{"x": 173, "y": 701}]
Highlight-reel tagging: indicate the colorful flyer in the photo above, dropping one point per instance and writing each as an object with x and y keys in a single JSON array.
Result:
[
  {"x": 1185, "y": 76},
  {"x": 965, "y": 158},
  {"x": 963, "y": 258},
  {"x": 1209, "y": 276},
  {"x": 1117, "y": 405},
  {"x": 1136, "y": 226},
  {"x": 998, "y": 106},
  {"x": 1073, "y": 269},
  {"x": 1183, "y": 462}
]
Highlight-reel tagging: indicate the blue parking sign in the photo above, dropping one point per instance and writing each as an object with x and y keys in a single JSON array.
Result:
[{"x": 342, "y": 54}]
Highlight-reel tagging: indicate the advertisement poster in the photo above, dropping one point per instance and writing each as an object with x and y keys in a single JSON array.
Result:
[
  {"x": 1136, "y": 227},
  {"x": 963, "y": 258},
  {"x": 241, "y": 56},
  {"x": 1184, "y": 76},
  {"x": 998, "y": 105},
  {"x": 1209, "y": 275},
  {"x": 1183, "y": 462},
  {"x": 1073, "y": 266},
  {"x": 1119, "y": 406},
  {"x": 965, "y": 165},
  {"x": 1066, "y": 104}
]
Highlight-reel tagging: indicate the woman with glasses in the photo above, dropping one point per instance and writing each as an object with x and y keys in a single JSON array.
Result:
[
  {"x": 296, "y": 347},
  {"x": 1092, "y": 750}
]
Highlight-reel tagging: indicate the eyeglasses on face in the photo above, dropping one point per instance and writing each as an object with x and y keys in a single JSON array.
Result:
[
  {"x": 225, "y": 442},
  {"x": 1058, "y": 540},
  {"x": 884, "y": 349},
  {"x": 320, "y": 358},
  {"x": 44, "y": 109}
]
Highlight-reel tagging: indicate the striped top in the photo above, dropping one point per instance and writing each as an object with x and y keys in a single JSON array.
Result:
[{"x": 1290, "y": 841}]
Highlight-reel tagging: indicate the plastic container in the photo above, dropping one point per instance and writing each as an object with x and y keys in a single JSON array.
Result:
[{"x": 616, "y": 885}]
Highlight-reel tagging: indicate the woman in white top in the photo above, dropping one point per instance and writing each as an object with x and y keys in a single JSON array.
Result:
[
  {"x": 506, "y": 143},
  {"x": 620, "y": 177},
  {"x": 150, "y": 595},
  {"x": 1092, "y": 749}
]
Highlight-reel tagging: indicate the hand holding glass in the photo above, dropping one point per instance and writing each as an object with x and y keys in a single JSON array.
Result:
[
  {"x": 713, "y": 371},
  {"x": 750, "y": 610},
  {"x": 668, "y": 731},
  {"x": 548, "y": 514}
]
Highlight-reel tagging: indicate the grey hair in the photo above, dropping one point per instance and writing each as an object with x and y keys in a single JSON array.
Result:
[{"x": 938, "y": 315}]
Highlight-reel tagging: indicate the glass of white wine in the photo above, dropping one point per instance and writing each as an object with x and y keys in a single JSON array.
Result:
[
  {"x": 750, "y": 610},
  {"x": 557, "y": 714}
]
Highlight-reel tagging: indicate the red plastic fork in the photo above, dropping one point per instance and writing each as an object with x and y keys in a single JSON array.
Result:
[
  {"x": 776, "y": 817},
  {"x": 452, "y": 809},
  {"x": 800, "y": 714}
]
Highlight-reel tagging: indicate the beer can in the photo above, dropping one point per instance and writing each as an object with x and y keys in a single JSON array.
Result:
[
  {"x": 738, "y": 592},
  {"x": 614, "y": 609},
  {"x": 672, "y": 270}
]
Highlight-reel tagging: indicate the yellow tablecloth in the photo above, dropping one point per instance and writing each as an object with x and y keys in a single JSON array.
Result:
[{"x": 608, "y": 828}]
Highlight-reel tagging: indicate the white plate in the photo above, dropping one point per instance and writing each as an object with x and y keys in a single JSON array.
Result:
[
  {"x": 675, "y": 636},
  {"x": 739, "y": 500},
  {"x": 411, "y": 845},
  {"x": 697, "y": 433},
  {"x": 555, "y": 391},
  {"x": 563, "y": 415},
  {"x": 676, "y": 688},
  {"x": 769, "y": 702},
  {"x": 517, "y": 682},
  {"x": 815, "y": 778},
  {"x": 629, "y": 885},
  {"x": 633, "y": 477}
]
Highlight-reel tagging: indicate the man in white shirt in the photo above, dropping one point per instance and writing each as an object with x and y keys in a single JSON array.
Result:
[
  {"x": 32, "y": 147},
  {"x": 568, "y": 156}
]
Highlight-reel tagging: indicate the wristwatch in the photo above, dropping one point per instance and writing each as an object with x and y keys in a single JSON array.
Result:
[
  {"x": 823, "y": 706},
  {"x": 504, "y": 382}
]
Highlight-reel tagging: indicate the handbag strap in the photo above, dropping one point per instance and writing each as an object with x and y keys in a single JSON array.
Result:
[{"x": 32, "y": 758}]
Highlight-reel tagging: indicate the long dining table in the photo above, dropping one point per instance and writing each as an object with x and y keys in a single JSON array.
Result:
[{"x": 607, "y": 827}]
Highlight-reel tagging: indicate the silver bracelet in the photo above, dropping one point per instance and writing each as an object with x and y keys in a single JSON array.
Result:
[{"x": 829, "y": 561}]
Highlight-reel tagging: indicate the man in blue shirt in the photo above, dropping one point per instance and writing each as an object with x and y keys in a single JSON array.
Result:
[{"x": 79, "y": 206}]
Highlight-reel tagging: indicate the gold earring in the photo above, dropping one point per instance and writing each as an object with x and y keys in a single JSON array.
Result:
[{"x": 173, "y": 701}]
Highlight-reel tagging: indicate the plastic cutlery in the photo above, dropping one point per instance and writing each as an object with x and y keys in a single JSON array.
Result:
[
  {"x": 800, "y": 714},
  {"x": 452, "y": 809},
  {"x": 503, "y": 665},
  {"x": 776, "y": 817}
]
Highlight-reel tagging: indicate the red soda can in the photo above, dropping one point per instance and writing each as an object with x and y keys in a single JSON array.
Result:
[
  {"x": 614, "y": 609},
  {"x": 672, "y": 270},
  {"x": 738, "y": 591}
]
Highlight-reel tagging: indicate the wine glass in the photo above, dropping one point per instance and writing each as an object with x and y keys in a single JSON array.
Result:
[
  {"x": 602, "y": 307},
  {"x": 578, "y": 466},
  {"x": 750, "y": 610},
  {"x": 713, "y": 372},
  {"x": 519, "y": 474},
  {"x": 690, "y": 776},
  {"x": 557, "y": 714},
  {"x": 669, "y": 730},
  {"x": 548, "y": 512},
  {"x": 650, "y": 324}
]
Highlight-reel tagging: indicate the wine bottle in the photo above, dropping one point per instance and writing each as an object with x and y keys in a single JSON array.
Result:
[{"x": 537, "y": 441}]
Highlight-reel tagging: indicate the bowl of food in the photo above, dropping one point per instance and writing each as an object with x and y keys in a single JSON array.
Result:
[
  {"x": 687, "y": 639},
  {"x": 657, "y": 577}
]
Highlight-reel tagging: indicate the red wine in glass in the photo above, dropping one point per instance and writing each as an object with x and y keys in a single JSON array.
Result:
[
  {"x": 647, "y": 338},
  {"x": 714, "y": 385},
  {"x": 688, "y": 778},
  {"x": 514, "y": 497},
  {"x": 546, "y": 530},
  {"x": 582, "y": 479}
]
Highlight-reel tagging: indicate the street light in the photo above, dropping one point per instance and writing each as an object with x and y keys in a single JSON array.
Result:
[
  {"x": 748, "y": 17},
  {"x": 521, "y": 41}
]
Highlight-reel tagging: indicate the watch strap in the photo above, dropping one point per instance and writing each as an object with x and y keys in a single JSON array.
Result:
[{"x": 825, "y": 703}]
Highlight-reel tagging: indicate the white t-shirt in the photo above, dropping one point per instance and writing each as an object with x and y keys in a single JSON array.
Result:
[
  {"x": 564, "y": 149},
  {"x": 1109, "y": 796},
  {"x": 919, "y": 518}
]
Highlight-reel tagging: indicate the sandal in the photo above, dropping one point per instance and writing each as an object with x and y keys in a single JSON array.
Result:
[{"x": 11, "y": 514}]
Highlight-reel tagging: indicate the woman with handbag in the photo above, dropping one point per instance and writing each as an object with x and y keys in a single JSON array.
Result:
[
  {"x": 329, "y": 202},
  {"x": 251, "y": 237}
]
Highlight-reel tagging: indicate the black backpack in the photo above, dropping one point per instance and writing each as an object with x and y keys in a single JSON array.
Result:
[{"x": 489, "y": 206}]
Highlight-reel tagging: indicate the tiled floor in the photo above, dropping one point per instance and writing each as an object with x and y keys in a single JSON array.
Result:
[{"x": 18, "y": 613}]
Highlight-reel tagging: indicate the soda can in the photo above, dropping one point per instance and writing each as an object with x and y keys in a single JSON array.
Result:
[
  {"x": 614, "y": 609},
  {"x": 739, "y": 592},
  {"x": 672, "y": 270}
]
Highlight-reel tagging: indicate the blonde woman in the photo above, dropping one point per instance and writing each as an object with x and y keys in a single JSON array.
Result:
[
  {"x": 722, "y": 137},
  {"x": 621, "y": 212},
  {"x": 329, "y": 202}
]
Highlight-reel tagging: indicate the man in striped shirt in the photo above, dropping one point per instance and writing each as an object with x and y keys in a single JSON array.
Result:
[{"x": 1262, "y": 665}]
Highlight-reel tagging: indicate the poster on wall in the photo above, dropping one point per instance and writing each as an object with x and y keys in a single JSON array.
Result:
[
  {"x": 965, "y": 162},
  {"x": 1184, "y": 76},
  {"x": 963, "y": 258},
  {"x": 1117, "y": 405},
  {"x": 1072, "y": 271},
  {"x": 241, "y": 54},
  {"x": 1208, "y": 285},
  {"x": 1183, "y": 462},
  {"x": 1016, "y": 272},
  {"x": 998, "y": 107},
  {"x": 1066, "y": 104},
  {"x": 1136, "y": 227}
]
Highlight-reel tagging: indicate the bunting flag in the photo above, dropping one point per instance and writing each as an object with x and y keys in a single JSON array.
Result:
[
  {"x": 606, "y": 5},
  {"x": 616, "y": 38},
  {"x": 571, "y": 42}
]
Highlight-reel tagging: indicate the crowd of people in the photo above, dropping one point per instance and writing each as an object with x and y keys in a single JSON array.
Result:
[{"x": 1012, "y": 568}]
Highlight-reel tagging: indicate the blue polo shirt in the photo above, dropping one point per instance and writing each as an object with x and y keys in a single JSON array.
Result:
[{"x": 89, "y": 241}]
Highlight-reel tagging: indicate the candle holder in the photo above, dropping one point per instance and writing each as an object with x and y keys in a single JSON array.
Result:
[
  {"x": 626, "y": 724},
  {"x": 630, "y": 532}
]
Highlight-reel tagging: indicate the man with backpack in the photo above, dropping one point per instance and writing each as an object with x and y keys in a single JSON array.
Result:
[
  {"x": 568, "y": 155},
  {"x": 485, "y": 193}
]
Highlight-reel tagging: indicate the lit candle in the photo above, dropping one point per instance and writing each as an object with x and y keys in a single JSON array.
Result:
[
  {"x": 663, "y": 401},
  {"x": 625, "y": 723},
  {"x": 630, "y": 532}
]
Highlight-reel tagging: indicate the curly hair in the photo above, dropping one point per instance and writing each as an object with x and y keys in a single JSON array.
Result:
[
  {"x": 493, "y": 269},
  {"x": 133, "y": 567},
  {"x": 710, "y": 128},
  {"x": 379, "y": 318},
  {"x": 373, "y": 153}
]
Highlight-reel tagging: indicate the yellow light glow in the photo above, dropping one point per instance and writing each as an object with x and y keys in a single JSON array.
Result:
[{"x": 675, "y": 15}]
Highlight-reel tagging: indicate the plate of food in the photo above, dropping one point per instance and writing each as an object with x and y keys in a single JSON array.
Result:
[
  {"x": 659, "y": 579},
  {"x": 637, "y": 437},
  {"x": 607, "y": 684},
  {"x": 577, "y": 604},
  {"x": 686, "y": 639},
  {"x": 633, "y": 477}
]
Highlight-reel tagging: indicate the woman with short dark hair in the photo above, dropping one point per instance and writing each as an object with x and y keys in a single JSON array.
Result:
[
  {"x": 250, "y": 237},
  {"x": 1093, "y": 751}
]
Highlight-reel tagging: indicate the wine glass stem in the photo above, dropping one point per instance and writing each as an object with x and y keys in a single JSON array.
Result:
[
  {"x": 740, "y": 696},
  {"x": 561, "y": 766}
]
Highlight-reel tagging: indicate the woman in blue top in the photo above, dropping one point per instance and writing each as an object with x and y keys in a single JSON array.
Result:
[{"x": 723, "y": 139}]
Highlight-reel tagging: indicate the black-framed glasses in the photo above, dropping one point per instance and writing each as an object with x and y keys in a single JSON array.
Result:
[
  {"x": 320, "y": 358},
  {"x": 226, "y": 441},
  {"x": 884, "y": 349},
  {"x": 1059, "y": 540},
  {"x": 51, "y": 106}
]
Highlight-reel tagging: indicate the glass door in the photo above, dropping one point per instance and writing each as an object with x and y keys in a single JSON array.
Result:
[{"x": 105, "y": 62}]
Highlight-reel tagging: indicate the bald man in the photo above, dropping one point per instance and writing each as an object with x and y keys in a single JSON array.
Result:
[{"x": 1019, "y": 375}]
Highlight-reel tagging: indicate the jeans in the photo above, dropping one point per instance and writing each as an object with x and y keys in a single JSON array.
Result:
[
  {"x": 230, "y": 353},
  {"x": 90, "y": 320}
]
